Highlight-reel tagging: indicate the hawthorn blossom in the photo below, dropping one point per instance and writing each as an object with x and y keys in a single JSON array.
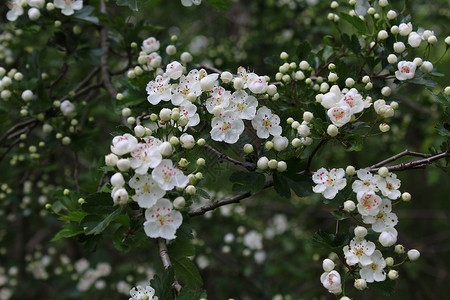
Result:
[
  {"x": 266, "y": 123},
  {"x": 329, "y": 183},
  {"x": 374, "y": 271},
  {"x": 168, "y": 176},
  {"x": 331, "y": 98},
  {"x": 147, "y": 190},
  {"x": 256, "y": 84},
  {"x": 158, "y": 89},
  {"x": 414, "y": 39},
  {"x": 389, "y": 185},
  {"x": 189, "y": 111},
  {"x": 119, "y": 195},
  {"x": 227, "y": 127},
  {"x": 340, "y": 115},
  {"x": 368, "y": 203},
  {"x": 353, "y": 100},
  {"x": 332, "y": 282},
  {"x": 153, "y": 60},
  {"x": 15, "y": 10},
  {"x": 366, "y": 183},
  {"x": 36, "y": 3},
  {"x": 145, "y": 157},
  {"x": 139, "y": 293},
  {"x": 150, "y": 45},
  {"x": 161, "y": 220},
  {"x": 187, "y": 85},
  {"x": 406, "y": 70},
  {"x": 174, "y": 70},
  {"x": 219, "y": 97},
  {"x": 244, "y": 104},
  {"x": 384, "y": 219},
  {"x": 68, "y": 6},
  {"x": 388, "y": 237},
  {"x": 190, "y": 2},
  {"x": 123, "y": 144},
  {"x": 359, "y": 251},
  {"x": 405, "y": 29}
]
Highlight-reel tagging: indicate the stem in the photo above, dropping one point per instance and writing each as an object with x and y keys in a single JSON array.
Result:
[
  {"x": 164, "y": 254},
  {"x": 222, "y": 156}
]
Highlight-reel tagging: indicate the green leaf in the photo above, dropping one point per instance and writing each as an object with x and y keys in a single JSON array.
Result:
[
  {"x": 355, "y": 21},
  {"x": 351, "y": 43},
  {"x": 426, "y": 81},
  {"x": 181, "y": 248},
  {"x": 441, "y": 98},
  {"x": 442, "y": 130},
  {"x": 248, "y": 182},
  {"x": 354, "y": 142},
  {"x": 203, "y": 194},
  {"x": 132, "y": 4},
  {"x": 163, "y": 287},
  {"x": 121, "y": 130},
  {"x": 186, "y": 294},
  {"x": 385, "y": 288},
  {"x": 340, "y": 215},
  {"x": 68, "y": 230},
  {"x": 99, "y": 204},
  {"x": 96, "y": 224},
  {"x": 75, "y": 216},
  {"x": 218, "y": 4},
  {"x": 187, "y": 271},
  {"x": 333, "y": 242},
  {"x": 281, "y": 186},
  {"x": 85, "y": 14}
]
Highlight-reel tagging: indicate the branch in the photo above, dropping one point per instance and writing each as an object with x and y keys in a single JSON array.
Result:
[
  {"x": 63, "y": 72},
  {"x": 397, "y": 156},
  {"x": 235, "y": 199},
  {"x": 104, "y": 59},
  {"x": 211, "y": 68},
  {"x": 164, "y": 254},
  {"x": 320, "y": 144},
  {"x": 222, "y": 156},
  {"x": 421, "y": 163}
]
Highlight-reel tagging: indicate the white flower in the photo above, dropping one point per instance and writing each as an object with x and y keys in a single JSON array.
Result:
[
  {"x": 328, "y": 265},
  {"x": 374, "y": 271},
  {"x": 147, "y": 190},
  {"x": 280, "y": 143},
  {"x": 188, "y": 85},
  {"x": 174, "y": 70},
  {"x": 188, "y": 112},
  {"x": 331, "y": 98},
  {"x": 367, "y": 182},
  {"x": 150, "y": 45},
  {"x": 123, "y": 144},
  {"x": 168, "y": 176},
  {"x": 145, "y": 156},
  {"x": 332, "y": 282},
  {"x": 405, "y": 29},
  {"x": 359, "y": 251},
  {"x": 253, "y": 240},
  {"x": 34, "y": 13},
  {"x": 244, "y": 104},
  {"x": 208, "y": 82},
  {"x": 406, "y": 70},
  {"x": 161, "y": 220},
  {"x": 190, "y": 2},
  {"x": 384, "y": 219},
  {"x": 399, "y": 47},
  {"x": 137, "y": 293},
  {"x": 153, "y": 60},
  {"x": 187, "y": 141},
  {"x": 353, "y": 100},
  {"x": 219, "y": 98},
  {"x": 227, "y": 127},
  {"x": 340, "y": 115},
  {"x": 388, "y": 237},
  {"x": 15, "y": 10},
  {"x": 389, "y": 185},
  {"x": 413, "y": 254},
  {"x": 117, "y": 180},
  {"x": 67, "y": 108},
  {"x": 368, "y": 203},
  {"x": 256, "y": 84},
  {"x": 329, "y": 183},
  {"x": 414, "y": 39},
  {"x": 165, "y": 149},
  {"x": 158, "y": 89},
  {"x": 68, "y": 6},
  {"x": 120, "y": 196},
  {"x": 266, "y": 122}
]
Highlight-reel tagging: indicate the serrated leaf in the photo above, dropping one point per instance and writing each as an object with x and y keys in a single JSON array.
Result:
[
  {"x": 203, "y": 194},
  {"x": 441, "y": 98},
  {"x": 99, "y": 204},
  {"x": 181, "y": 248},
  {"x": 442, "y": 130},
  {"x": 68, "y": 230},
  {"x": 75, "y": 216},
  {"x": 385, "y": 288},
  {"x": 187, "y": 271},
  {"x": 355, "y": 21},
  {"x": 354, "y": 142},
  {"x": 186, "y": 294},
  {"x": 121, "y": 130},
  {"x": 96, "y": 224},
  {"x": 281, "y": 186},
  {"x": 163, "y": 287},
  {"x": 426, "y": 81},
  {"x": 333, "y": 242}
]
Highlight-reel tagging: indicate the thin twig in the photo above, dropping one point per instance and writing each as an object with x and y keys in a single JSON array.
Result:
[
  {"x": 397, "y": 156},
  {"x": 311, "y": 156},
  {"x": 211, "y": 68},
  {"x": 75, "y": 173},
  {"x": 164, "y": 254},
  {"x": 415, "y": 164},
  {"x": 234, "y": 199},
  {"x": 62, "y": 73},
  {"x": 222, "y": 156}
]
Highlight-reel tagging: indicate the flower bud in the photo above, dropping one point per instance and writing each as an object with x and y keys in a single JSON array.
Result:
[
  {"x": 426, "y": 67},
  {"x": 226, "y": 77},
  {"x": 349, "y": 206},
  {"x": 34, "y": 14},
  {"x": 248, "y": 148},
  {"x": 111, "y": 160},
  {"x": 299, "y": 75},
  {"x": 332, "y": 130},
  {"x": 384, "y": 127},
  {"x": 389, "y": 261},
  {"x": 399, "y": 249},
  {"x": 392, "y": 59},
  {"x": 303, "y": 130},
  {"x": 284, "y": 55},
  {"x": 406, "y": 197},
  {"x": 200, "y": 162},
  {"x": 201, "y": 142},
  {"x": 165, "y": 114},
  {"x": 199, "y": 176},
  {"x": 413, "y": 254},
  {"x": 280, "y": 143},
  {"x": 165, "y": 149},
  {"x": 399, "y": 47},
  {"x": 332, "y": 77},
  {"x": 263, "y": 163},
  {"x": 183, "y": 121},
  {"x": 187, "y": 141},
  {"x": 273, "y": 164},
  {"x": 386, "y": 91},
  {"x": 120, "y": 196},
  {"x": 174, "y": 141},
  {"x": 328, "y": 265},
  {"x": 183, "y": 163},
  {"x": 207, "y": 83},
  {"x": 131, "y": 120},
  {"x": 383, "y": 3},
  {"x": 117, "y": 180},
  {"x": 391, "y": 15},
  {"x": 360, "y": 231},
  {"x": 350, "y": 170},
  {"x": 388, "y": 237},
  {"x": 238, "y": 83},
  {"x": 192, "y": 179},
  {"x": 282, "y": 166},
  {"x": 382, "y": 35},
  {"x": 432, "y": 39},
  {"x": 308, "y": 116},
  {"x": 153, "y": 117},
  {"x": 271, "y": 90},
  {"x": 393, "y": 274},
  {"x": 139, "y": 131},
  {"x": 360, "y": 284},
  {"x": 171, "y": 50},
  {"x": 186, "y": 57},
  {"x": 190, "y": 190},
  {"x": 27, "y": 95},
  {"x": 296, "y": 143},
  {"x": 383, "y": 172},
  {"x": 268, "y": 145},
  {"x": 179, "y": 203},
  {"x": 66, "y": 140}
]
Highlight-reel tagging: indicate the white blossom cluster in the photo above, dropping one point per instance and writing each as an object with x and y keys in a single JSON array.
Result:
[
  {"x": 143, "y": 293},
  {"x": 16, "y": 8},
  {"x": 374, "y": 194}
]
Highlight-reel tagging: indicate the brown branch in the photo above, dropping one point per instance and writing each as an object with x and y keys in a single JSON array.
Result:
[
  {"x": 87, "y": 79},
  {"x": 234, "y": 199},
  {"x": 102, "y": 181},
  {"x": 421, "y": 163},
  {"x": 222, "y": 156},
  {"x": 16, "y": 127},
  {"x": 311, "y": 156},
  {"x": 211, "y": 68},
  {"x": 62, "y": 73},
  {"x": 397, "y": 156},
  {"x": 164, "y": 254},
  {"x": 106, "y": 78},
  {"x": 75, "y": 173}
]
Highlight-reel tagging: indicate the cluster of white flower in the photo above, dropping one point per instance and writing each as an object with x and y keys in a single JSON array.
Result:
[
  {"x": 91, "y": 276},
  {"x": 143, "y": 293},
  {"x": 67, "y": 7},
  {"x": 374, "y": 194}
]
